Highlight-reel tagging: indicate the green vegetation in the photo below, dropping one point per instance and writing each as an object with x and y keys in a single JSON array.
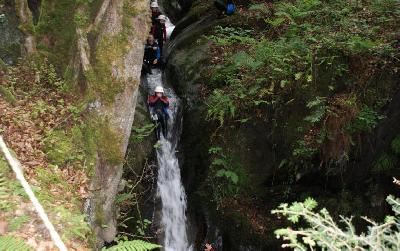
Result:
[
  {"x": 136, "y": 245},
  {"x": 9, "y": 243},
  {"x": 139, "y": 133},
  {"x": 323, "y": 232},
  {"x": 306, "y": 58},
  {"x": 227, "y": 179},
  {"x": 17, "y": 222},
  {"x": 7, "y": 94}
]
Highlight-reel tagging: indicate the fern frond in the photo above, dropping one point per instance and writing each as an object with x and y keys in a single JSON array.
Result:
[
  {"x": 136, "y": 245},
  {"x": 11, "y": 243}
]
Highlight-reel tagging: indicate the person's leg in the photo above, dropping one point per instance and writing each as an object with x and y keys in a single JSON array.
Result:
[
  {"x": 165, "y": 128},
  {"x": 161, "y": 45},
  {"x": 158, "y": 130}
]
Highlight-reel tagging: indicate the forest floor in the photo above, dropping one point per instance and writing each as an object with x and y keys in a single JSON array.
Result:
[{"x": 31, "y": 107}]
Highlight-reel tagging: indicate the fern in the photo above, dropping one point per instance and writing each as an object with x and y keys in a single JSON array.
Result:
[
  {"x": 11, "y": 243},
  {"x": 318, "y": 105},
  {"x": 136, "y": 245}
]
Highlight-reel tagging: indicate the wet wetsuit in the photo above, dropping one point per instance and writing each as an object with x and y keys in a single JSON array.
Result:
[
  {"x": 159, "y": 32},
  {"x": 151, "y": 52},
  {"x": 159, "y": 106}
]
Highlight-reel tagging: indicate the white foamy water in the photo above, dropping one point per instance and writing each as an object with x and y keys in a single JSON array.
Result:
[{"x": 169, "y": 185}]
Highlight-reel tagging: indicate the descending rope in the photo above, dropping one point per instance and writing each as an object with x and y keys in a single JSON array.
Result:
[{"x": 39, "y": 209}]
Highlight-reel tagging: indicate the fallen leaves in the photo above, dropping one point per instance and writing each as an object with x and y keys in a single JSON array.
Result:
[{"x": 24, "y": 125}]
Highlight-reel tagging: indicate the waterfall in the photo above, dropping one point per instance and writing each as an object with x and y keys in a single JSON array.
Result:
[{"x": 169, "y": 186}]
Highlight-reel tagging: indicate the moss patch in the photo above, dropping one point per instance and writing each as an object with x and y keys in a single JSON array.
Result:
[{"x": 8, "y": 95}]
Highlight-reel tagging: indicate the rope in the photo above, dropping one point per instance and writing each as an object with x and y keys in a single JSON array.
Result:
[{"x": 39, "y": 209}]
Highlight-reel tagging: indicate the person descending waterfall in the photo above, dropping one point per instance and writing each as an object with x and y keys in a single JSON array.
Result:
[
  {"x": 226, "y": 7},
  {"x": 159, "y": 31},
  {"x": 159, "y": 104},
  {"x": 152, "y": 55},
  {"x": 155, "y": 12}
]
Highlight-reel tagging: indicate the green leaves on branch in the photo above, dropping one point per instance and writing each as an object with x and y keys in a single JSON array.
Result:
[
  {"x": 231, "y": 35},
  {"x": 136, "y": 245},
  {"x": 139, "y": 133},
  {"x": 231, "y": 176},
  {"x": 322, "y": 232},
  {"x": 319, "y": 108},
  {"x": 220, "y": 105}
]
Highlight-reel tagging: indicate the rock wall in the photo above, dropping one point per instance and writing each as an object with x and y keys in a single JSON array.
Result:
[
  {"x": 126, "y": 70},
  {"x": 260, "y": 148}
]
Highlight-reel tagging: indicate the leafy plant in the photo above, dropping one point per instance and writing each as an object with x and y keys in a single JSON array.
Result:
[
  {"x": 230, "y": 175},
  {"x": 395, "y": 145},
  {"x": 231, "y": 35},
  {"x": 227, "y": 178},
  {"x": 74, "y": 223},
  {"x": 59, "y": 147},
  {"x": 324, "y": 233},
  {"x": 11, "y": 243},
  {"x": 142, "y": 226},
  {"x": 366, "y": 120},
  {"x": 136, "y": 245},
  {"x": 17, "y": 222},
  {"x": 220, "y": 105},
  {"x": 319, "y": 108},
  {"x": 303, "y": 150},
  {"x": 139, "y": 133},
  {"x": 384, "y": 162}
]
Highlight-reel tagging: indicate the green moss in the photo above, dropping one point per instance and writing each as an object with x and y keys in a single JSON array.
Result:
[
  {"x": 7, "y": 94},
  {"x": 109, "y": 144},
  {"x": 129, "y": 9},
  {"x": 57, "y": 24},
  {"x": 96, "y": 138},
  {"x": 99, "y": 217},
  {"x": 59, "y": 147},
  {"x": 101, "y": 80}
]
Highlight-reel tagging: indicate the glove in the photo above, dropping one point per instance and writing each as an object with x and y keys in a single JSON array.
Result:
[{"x": 154, "y": 117}]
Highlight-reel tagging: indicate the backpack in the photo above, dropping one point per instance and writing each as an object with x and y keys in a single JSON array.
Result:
[{"x": 230, "y": 9}]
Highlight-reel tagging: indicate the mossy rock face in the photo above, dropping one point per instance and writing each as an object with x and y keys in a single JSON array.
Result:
[
  {"x": 10, "y": 36},
  {"x": 264, "y": 148},
  {"x": 140, "y": 149}
]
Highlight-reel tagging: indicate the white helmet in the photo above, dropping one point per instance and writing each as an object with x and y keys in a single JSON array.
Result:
[
  {"x": 154, "y": 5},
  {"x": 159, "y": 89},
  {"x": 162, "y": 17}
]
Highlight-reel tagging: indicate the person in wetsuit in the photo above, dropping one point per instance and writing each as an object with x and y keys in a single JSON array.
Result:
[
  {"x": 159, "y": 104},
  {"x": 152, "y": 55},
  {"x": 159, "y": 31},
  {"x": 155, "y": 12}
]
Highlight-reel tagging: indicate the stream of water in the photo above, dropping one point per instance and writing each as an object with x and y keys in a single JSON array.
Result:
[{"x": 169, "y": 186}]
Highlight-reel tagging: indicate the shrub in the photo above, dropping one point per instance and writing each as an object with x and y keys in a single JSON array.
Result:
[{"x": 322, "y": 232}]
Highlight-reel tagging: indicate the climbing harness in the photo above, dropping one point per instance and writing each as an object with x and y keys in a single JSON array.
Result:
[{"x": 38, "y": 207}]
